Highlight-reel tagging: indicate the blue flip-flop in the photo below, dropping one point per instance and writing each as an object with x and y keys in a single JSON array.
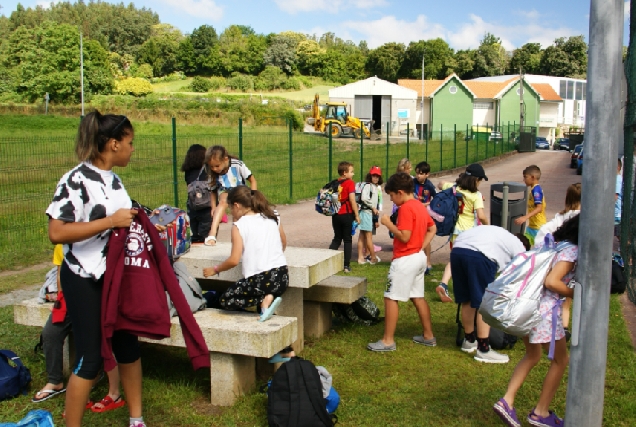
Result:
[
  {"x": 277, "y": 358},
  {"x": 269, "y": 311}
]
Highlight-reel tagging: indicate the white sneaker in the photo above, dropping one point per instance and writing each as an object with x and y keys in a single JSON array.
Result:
[
  {"x": 491, "y": 356},
  {"x": 469, "y": 347}
]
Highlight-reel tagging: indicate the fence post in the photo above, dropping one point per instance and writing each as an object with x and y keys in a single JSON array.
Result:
[
  {"x": 387, "y": 148},
  {"x": 441, "y": 137},
  {"x": 240, "y": 141},
  {"x": 426, "y": 142},
  {"x": 361, "y": 152},
  {"x": 175, "y": 182},
  {"x": 508, "y": 147},
  {"x": 330, "y": 154},
  {"x": 408, "y": 130},
  {"x": 291, "y": 170},
  {"x": 487, "y": 139},
  {"x": 455, "y": 145},
  {"x": 466, "y": 145}
]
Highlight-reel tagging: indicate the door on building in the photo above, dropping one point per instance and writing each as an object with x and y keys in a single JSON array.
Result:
[
  {"x": 363, "y": 107},
  {"x": 381, "y": 112},
  {"x": 386, "y": 114}
]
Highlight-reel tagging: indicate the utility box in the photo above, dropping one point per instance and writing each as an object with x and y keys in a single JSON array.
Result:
[
  {"x": 527, "y": 139},
  {"x": 509, "y": 206}
]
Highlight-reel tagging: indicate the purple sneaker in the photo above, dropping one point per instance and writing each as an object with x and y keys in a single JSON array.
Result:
[
  {"x": 507, "y": 414},
  {"x": 551, "y": 420}
]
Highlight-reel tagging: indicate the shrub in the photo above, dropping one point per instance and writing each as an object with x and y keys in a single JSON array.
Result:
[
  {"x": 291, "y": 83},
  {"x": 133, "y": 86},
  {"x": 144, "y": 71},
  {"x": 241, "y": 82},
  {"x": 217, "y": 82},
  {"x": 200, "y": 84}
]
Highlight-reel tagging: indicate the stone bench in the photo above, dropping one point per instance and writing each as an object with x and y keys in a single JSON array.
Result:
[
  {"x": 319, "y": 298},
  {"x": 238, "y": 344},
  {"x": 307, "y": 267}
]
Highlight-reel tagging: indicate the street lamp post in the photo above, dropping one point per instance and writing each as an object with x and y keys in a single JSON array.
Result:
[{"x": 422, "y": 100}]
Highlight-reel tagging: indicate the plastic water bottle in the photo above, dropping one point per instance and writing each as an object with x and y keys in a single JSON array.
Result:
[{"x": 354, "y": 228}]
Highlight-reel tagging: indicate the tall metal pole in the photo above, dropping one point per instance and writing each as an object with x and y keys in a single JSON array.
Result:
[
  {"x": 521, "y": 109},
  {"x": 82, "y": 70},
  {"x": 588, "y": 359},
  {"x": 422, "y": 100}
]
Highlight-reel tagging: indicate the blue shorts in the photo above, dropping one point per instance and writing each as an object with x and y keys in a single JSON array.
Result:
[
  {"x": 531, "y": 233},
  {"x": 366, "y": 222},
  {"x": 472, "y": 273}
]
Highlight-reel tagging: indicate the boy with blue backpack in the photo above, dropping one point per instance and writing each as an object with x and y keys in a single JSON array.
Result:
[{"x": 424, "y": 192}]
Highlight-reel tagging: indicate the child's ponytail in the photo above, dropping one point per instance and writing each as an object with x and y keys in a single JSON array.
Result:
[{"x": 252, "y": 199}]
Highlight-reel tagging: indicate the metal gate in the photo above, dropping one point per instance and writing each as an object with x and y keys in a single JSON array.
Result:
[{"x": 363, "y": 107}]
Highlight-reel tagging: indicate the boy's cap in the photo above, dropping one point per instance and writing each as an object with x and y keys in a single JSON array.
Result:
[
  {"x": 476, "y": 170},
  {"x": 375, "y": 171}
]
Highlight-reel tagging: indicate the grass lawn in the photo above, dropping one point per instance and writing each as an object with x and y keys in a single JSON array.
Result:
[{"x": 414, "y": 386}]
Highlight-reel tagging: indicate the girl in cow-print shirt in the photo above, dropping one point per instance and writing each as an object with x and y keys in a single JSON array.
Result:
[{"x": 89, "y": 202}]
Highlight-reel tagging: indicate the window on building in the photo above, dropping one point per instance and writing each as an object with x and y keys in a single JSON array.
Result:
[
  {"x": 570, "y": 93},
  {"x": 453, "y": 89},
  {"x": 579, "y": 91},
  {"x": 584, "y": 90},
  {"x": 483, "y": 105},
  {"x": 563, "y": 89}
]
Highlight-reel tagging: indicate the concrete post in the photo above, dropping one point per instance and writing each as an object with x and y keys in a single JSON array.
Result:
[{"x": 588, "y": 359}]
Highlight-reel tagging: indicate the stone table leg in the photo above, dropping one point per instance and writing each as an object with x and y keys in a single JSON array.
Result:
[
  {"x": 317, "y": 318},
  {"x": 231, "y": 376},
  {"x": 292, "y": 306}
]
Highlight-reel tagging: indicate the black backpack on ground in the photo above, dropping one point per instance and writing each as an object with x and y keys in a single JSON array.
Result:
[
  {"x": 295, "y": 399},
  {"x": 499, "y": 340},
  {"x": 362, "y": 311},
  {"x": 619, "y": 281}
]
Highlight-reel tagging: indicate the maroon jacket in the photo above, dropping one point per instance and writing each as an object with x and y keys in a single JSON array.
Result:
[{"x": 138, "y": 274}]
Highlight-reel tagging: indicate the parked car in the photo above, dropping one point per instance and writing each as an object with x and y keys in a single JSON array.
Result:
[
  {"x": 575, "y": 156},
  {"x": 579, "y": 163},
  {"x": 541, "y": 143},
  {"x": 562, "y": 144}
]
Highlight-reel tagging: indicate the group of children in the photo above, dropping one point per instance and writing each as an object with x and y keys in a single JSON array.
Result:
[{"x": 259, "y": 241}]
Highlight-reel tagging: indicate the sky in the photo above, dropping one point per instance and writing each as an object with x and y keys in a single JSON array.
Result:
[{"x": 462, "y": 23}]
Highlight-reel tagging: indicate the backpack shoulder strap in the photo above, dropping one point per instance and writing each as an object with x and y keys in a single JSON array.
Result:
[
  {"x": 12, "y": 356},
  {"x": 312, "y": 382},
  {"x": 200, "y": 172}
]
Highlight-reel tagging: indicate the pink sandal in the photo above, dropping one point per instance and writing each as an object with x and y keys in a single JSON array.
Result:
[{"x": 108, "y": 404}]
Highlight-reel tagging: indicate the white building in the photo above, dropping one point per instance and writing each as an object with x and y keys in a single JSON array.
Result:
[
  {"x": 379, "y": 100},
  {"x": 571, "y": 112}
]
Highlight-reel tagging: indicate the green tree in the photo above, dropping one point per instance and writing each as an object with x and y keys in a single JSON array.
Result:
[
  {"x": 386, "y": 60},
  {"x": 204, "y": 44},
  {"x": 309, "y": 55},
  {"x": 491, "y": 58},
  {"x": 281, "y": 53},
  {"x": 438, "y": 60},
  {"x": 46, "y": 59},
  {"x": 464, "y": 63},
  {"x": 161, "y": 50},
  {"x": 565, "y": 58},
  {"x": 240, "y": 53},
  {"x": 527, "y": 57}
]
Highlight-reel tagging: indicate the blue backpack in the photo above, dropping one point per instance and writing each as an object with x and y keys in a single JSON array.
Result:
[
  {"x": 35, "y": 418},
  {"x": 14, "y": 376},
  {"x": 445, "y": 209}
]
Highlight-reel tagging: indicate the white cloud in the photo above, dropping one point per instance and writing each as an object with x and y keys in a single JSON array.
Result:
[
  {"x": 512, "y": 36},
  {"x": 391, "y": 29},
  {"x": 296, "y": 6},
  {"x": 45, "y": 4},
  {"x": 199, "y": 8},
  {"x": 529, "y": 14}
]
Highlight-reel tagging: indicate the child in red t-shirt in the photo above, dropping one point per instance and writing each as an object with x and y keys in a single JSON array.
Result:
[
  {"x": 413, "y": 232},
  {"x": 342, "y": 222}
]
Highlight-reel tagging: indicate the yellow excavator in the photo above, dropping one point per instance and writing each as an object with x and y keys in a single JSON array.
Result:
[{"x": 342, "y": 124}]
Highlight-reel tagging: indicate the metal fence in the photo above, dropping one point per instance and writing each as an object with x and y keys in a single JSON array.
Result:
[{"x": 288, "y": 165}]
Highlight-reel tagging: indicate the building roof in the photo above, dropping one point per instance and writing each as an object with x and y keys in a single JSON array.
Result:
[
  {"x": 546, "y": 92},
  {"x": 431, "y": 87},
  {"x": 372, "y": 86},
  {"x": 486, "y": 89}
]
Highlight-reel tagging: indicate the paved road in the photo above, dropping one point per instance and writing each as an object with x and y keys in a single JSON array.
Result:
[{"x": 306, "y": 228}]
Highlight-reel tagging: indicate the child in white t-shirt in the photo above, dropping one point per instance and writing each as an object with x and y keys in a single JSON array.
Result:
[{"x": 258, "y": 239}]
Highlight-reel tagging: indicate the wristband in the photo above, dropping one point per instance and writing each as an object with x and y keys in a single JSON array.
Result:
[{"x": 216, "y": 269}]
